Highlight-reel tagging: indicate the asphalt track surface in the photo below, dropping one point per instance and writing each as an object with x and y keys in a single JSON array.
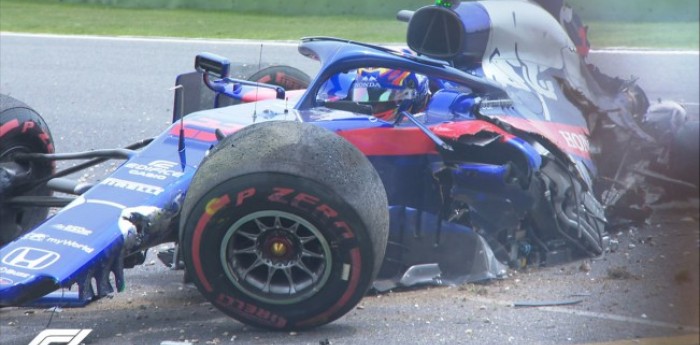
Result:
[{"x": 104, "y": 93}]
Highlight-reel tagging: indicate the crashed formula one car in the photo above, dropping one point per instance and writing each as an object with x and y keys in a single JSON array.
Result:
[{"x": 288, "y": 198}]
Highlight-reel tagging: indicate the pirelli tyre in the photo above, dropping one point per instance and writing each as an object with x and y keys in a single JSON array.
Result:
[
  {"x": 284, "y": 226},
  {"x": 288, "y": 77},
  {"x": 22, "y": 130}
]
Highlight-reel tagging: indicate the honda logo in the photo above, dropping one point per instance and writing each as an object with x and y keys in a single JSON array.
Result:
[{"x": 30, "y": 258}]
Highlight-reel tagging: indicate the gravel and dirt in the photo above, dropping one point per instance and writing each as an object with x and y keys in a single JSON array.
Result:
[{"x": 645, "y": 292}]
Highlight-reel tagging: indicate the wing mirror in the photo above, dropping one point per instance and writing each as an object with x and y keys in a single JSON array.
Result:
[{"x": 212, "y": 64}]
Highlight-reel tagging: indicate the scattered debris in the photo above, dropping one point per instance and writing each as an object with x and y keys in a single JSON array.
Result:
[
  {"x": 585, "y": 267},
  {"x": 474, "y": 288},
  {"x": 522, "y": 304},
  {"x": 683, "y": 276},
  {"x": 648, "y": 240},
  {"x": 620, "y": 273}
]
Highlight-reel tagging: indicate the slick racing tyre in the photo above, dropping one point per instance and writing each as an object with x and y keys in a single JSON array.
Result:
[
  {"x": 22, "y": 130},
  {"x": 284, "y": 226},
  {"x": 287, "y": 77}
]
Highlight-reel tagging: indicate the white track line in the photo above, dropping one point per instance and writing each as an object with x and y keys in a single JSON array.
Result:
[
  {"x": 628, "y": 51},
  {"x": 690, "y": 339},
  {"x": 597, "y": 315},
  {"x": 293, "y": 43},
  {"x": 621, "y": 318},
  {"x": 156, "y": 39}
]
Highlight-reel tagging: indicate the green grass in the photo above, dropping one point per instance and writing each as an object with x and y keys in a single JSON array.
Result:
[
  {"x": 60, "y": 18},
  {"x": 683, "y": 35},
  {"x": 52, "y": 16}
]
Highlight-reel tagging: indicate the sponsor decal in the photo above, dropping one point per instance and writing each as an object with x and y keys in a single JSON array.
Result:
[
  {"x": 73, "y": 229},
  {"x": 61, "y": 336},
  {"x": 39, "y": 237},
  {"x": 30, "y": 258},
  {"x": 8, "y": 271},
  {"x": 8, "y": 126},
  {"x": 367, "y": 82},
  {"x": 576, "y": 141},
  {"x": 134, "y": 186},
  {"x": 309, "y": 203},
  {"x": 159, "y": 169},
  {"x": 32, "y": 126},
  {"x": 213, "y": 206},
  {"x": 161, "y": 164},
  {"x": 250, "y": 310},
  {"x": 572, "y": 139}
]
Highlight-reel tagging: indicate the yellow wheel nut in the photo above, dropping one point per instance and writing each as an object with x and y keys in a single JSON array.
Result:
[{"x": 278, "y": 249}]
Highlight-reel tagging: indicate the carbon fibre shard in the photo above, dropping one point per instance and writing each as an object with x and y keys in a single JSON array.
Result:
[
  {"x": 85, "y": 289},
  {"x": 523, "y": 304},
  {"x": 100, "y": 276},
  {"x": 118, "y": 270}
]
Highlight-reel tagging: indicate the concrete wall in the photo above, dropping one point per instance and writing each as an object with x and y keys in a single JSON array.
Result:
[{"x": 590, "y": 10}]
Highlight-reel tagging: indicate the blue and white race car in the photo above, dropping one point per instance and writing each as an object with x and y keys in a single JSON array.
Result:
[{"x": 288, "y": 197}]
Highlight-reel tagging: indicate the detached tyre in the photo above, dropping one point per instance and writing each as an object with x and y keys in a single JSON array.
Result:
[
  {"x": 284, "y": 226},
  {"x": 22, "y": 130}
]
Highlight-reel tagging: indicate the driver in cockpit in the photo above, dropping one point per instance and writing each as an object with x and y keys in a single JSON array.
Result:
[{"x": 382, "y": 91}]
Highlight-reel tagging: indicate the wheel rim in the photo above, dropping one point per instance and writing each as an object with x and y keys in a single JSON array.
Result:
[
  {"x": 7, "y": 154},
  {"x": 276, "y": 257},
  {"x": 15, "y": 221}
]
